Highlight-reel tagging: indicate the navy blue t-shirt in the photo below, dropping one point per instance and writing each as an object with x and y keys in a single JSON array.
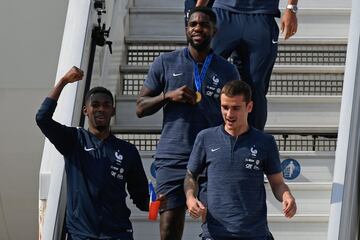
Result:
[
  {"x": 183, "y": 121},
  {"x": 249, "y": 6},
  {"x": 97, "y": 172},
  {"x": 236, "y": 197}
]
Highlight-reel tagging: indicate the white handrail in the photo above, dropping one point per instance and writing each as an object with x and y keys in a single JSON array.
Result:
[
  {"x": 52, "y": 164},
  {"x": 344, "y": 209}
]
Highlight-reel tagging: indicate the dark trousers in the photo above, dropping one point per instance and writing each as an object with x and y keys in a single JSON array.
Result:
[{"x": 251, "y": 40}]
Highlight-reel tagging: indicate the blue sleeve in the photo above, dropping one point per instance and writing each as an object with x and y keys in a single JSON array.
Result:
[
  {"x": 197, "y": 160},
  {"x": 155, "y": 78},
  {"x": 272, "y": 163},
  {"x": 137, "y": 183},
  {"x": 63, "y": 137}
]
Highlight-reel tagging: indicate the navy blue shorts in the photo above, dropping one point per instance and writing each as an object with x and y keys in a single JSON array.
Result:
[{"x": 170, "y": 182}]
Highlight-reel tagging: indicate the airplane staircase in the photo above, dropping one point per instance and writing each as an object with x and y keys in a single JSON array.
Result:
[{"x": 304, "y": 104}]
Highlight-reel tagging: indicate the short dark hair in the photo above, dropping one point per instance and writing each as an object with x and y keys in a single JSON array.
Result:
[
  {"x": 99, "y": 90},
  {"x": 206, "y": 10},
  {"x": 237, "y": 88}
]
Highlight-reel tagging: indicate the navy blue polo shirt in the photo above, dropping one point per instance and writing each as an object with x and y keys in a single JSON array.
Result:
[
  {"x": 249, "y": 6},
  {"x": 97, "y": 172},
  {"x": 183, "y": 121},
  {"x": 236, "y": 197}
]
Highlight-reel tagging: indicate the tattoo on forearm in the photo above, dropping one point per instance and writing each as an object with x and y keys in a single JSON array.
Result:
[{"x": 190, "y": 183}]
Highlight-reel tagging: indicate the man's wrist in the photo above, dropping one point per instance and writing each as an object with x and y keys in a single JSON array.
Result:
[
  {"x": 292, "y": 8},
  {"x": 287, "y": 195},
  {"x": 63, "y": 81},
  {"x": 190, "y": 195}
]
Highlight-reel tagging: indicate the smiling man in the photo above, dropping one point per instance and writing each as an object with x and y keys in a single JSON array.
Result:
[
  {"x": 186, "y": 84},
  {"x": 98, "y": 166},
  {"x": 236, "y": 156}
]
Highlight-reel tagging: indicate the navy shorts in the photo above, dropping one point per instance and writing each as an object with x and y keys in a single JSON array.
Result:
[{"x": 170, "y": 182}]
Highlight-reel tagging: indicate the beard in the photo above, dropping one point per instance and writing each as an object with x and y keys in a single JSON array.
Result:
[
  {"x": 201, "y": 46},
  {"x": 102, "y": 128}
]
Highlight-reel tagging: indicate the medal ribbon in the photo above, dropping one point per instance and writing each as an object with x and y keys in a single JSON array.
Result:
[{"x": 200, "y": 77}]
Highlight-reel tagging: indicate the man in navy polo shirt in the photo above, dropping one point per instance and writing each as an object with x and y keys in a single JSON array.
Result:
[
  {"x": 236, "y": 156},
  {"x": 248, "y": 32},
  {"x": 186, "y": 84},
  {"x": 98, "y": 166}
]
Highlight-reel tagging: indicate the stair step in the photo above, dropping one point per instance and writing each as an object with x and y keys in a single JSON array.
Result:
[
  {"x": 298, "y": 228},
  {"x": 315, "y": 166},
  {"x": 291, "y": 114},
  {"x": 292, "y": 52},
  {"x": 276, "y": 69},
  {"x": 173, "y": 39},
  {"x": 285, "y": 80},
  {"x": 304, "y": 3},
  {"x": 164, "y": 21},
  {"x": 324, "y": 142},
  {"x": 313, "y": 199}
]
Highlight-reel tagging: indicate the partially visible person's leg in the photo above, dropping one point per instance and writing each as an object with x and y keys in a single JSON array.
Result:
[
  {"x": 229, "y": 33},
  {"x": 258, "y": 54},
  {"x": 188, "y": 5},
  {"x": 251, "y": 40},
  {"x": 170, "y": 186},
  {"x": 172, "y": 223}
]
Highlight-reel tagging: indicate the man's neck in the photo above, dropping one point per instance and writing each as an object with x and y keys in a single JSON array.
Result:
[
  {"x": 100, "y": 134},
  {"x": 239, "y": 131},
  {"x": 198, "y": 56}
]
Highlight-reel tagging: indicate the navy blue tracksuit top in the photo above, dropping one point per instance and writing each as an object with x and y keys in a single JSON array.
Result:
[{"x": 97, "y": 171}]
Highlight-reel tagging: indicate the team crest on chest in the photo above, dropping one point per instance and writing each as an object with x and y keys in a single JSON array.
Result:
[
  {"x": 253, "y": 151},
  {"x": 116, "y": 170},
  {"x": 118, "y": 156},
  {"x": 213, "y": 89},
  {"x": 215, "y": 80},
  {"x": 252, "y": 163}
]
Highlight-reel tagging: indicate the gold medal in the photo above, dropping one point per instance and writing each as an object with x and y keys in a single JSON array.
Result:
[{"x": 198, "y": 97}]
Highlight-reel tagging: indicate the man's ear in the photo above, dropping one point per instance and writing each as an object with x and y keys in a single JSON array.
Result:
[
  {"x": 215, "y": 31},
  {"x": 113, "y": 112},
  {"x": 249, "y": 106},
  {"x": 84, "y": 110}
]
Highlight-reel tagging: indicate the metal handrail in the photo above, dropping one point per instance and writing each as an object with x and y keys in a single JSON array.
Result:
[
  {"x": 51, "y": 179},
  {"x": 344, "y": 209}
]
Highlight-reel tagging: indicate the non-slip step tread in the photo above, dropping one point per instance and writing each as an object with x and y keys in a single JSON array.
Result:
[
  {"x": 135, "y": 39},
  {"x": 272, "y": 217},
  {"x": 277, "y": 69},
  {"x": 180, "y": 10}
]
